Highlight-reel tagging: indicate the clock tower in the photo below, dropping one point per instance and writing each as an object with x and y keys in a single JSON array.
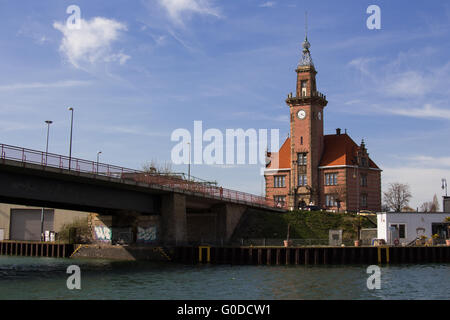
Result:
[{"x": 307, "y": 141}]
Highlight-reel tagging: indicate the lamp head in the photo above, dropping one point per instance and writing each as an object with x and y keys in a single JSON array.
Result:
[
  {"x": 70, "y": 109},
  {"x": 48, "y": 121}
]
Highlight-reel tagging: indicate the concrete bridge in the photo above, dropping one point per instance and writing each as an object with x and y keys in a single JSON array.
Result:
[{"x": 185, "y": 209}]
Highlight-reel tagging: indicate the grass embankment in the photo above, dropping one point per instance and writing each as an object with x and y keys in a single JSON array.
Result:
[{"x": 304, "y": 225}]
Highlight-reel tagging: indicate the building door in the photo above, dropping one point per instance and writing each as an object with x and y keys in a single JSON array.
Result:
[{"x": 25, "y": 224}]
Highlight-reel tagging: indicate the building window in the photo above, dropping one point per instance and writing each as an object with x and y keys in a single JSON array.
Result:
[
  {"x": 364, "y": 200},
  {"x": 364, "y": 162},
  {"x": 401, "y": 230},
  {"x": 330, "y": 200},
  {"x": 279, "y": 181},
  {"x": 302, "y": 180},
  {"x": 279, "y": 199},
  {"x": 302, "y": 159},
  {"x": 304, "y": 84},
  {"x": 363, "y": 178},
  {"x": 331, "y": 179}
]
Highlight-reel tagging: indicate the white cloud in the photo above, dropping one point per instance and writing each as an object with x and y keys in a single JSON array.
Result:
[
  {"x": 361, "y": 64},
  {"x": 402, "y": 88},
  {"x": 120, "y": 129},
  {"x": 92, "y": 42},
  {"x": 43, "y": 85},
  {"x": 408, "y": 84},
  {"x": 427, "y": 111},
  {"x": 427, "y": 161},
  {"x": 178, "y": 9},
  {"x": 267, "y": 4},
  {"x": 8, "y": 126}
]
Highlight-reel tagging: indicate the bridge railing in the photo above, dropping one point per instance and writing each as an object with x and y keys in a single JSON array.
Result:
[{"x": 174, "y": 181}]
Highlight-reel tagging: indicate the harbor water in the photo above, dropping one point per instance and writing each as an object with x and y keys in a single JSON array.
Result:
[{"x": 46, "y": 278}]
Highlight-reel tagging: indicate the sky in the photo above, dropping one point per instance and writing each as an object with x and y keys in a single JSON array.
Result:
[{"x": 138, "y": 70}]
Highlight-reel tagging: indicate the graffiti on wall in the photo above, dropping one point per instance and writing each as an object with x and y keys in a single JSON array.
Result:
[
  {"x": 102, "y": 233},
  {"x": 146, "y": 234}
]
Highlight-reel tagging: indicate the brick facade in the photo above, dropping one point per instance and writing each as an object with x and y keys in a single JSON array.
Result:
[{"x": 329, "y": 171}]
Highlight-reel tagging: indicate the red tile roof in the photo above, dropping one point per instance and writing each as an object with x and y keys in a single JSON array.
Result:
[
  {"x": 340, "y": 150},
  {"x": 284, "y": 160}
]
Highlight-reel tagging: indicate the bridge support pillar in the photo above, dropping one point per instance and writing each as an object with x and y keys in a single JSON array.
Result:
[
  {"x": 173, "y": 215},
  {"x": 228, "y": 217}
]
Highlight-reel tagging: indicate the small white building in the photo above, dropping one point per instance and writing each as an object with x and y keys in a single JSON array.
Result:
[{"x": 407, "y": 227}]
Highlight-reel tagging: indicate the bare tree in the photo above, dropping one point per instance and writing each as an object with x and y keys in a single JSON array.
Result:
[
  {"x": 397, "y": 196},
  {"x": 154, "y": 167},
  {"x": 340, "y": 194},
  {"x": 430, "y": 206},
  {"x": 435, "y": 204},
  {"x": 426, "y": 206}
]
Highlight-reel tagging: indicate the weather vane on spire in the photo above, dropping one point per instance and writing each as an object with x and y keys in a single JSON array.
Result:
[
  {"x": 306, "y": 58},
  {"x": 306, "y": 25}
]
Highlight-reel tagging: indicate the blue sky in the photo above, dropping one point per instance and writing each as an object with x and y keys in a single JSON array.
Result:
[{"x": 141, "y": 69}]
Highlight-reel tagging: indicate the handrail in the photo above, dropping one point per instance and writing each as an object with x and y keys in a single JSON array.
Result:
[{"x": 174, "y": 181}]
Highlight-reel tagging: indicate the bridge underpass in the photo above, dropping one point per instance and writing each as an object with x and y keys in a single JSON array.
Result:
[{"x": 181, "y": 214}]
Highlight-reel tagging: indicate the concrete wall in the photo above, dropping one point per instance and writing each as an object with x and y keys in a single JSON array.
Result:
[
  {"x": 367, "y": 235},
  {"x": 414, "y": 222},
  {"x": 215, "y": 226},
  {"x": 446, "y": 204},
  {"x": 202, "y": 227},
  {"x": 61, "y": 217},
  {"x": 173, "y": 219},
  {"x": 5, "y": 214}
]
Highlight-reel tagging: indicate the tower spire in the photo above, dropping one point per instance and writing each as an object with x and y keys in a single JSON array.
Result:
[{"x": 306, "y": 57}]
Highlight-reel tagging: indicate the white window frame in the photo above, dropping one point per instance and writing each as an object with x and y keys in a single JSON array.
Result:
[{"x": 397, "y": 225}]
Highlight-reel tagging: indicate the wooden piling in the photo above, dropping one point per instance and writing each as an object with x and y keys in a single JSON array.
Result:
[{"x": 269, "y": 256}]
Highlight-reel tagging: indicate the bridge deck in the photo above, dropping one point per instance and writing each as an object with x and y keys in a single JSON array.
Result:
[{"x": 39, "y": 160}]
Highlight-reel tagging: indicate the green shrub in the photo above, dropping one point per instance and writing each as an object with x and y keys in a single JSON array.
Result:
[
  {"x": 304, "y": 225},
  {"x": 83, "y": 232}
]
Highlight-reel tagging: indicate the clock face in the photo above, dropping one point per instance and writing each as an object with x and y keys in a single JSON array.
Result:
[
  {"x": 301, "y": 114},
  {"x": 319, "y": 115}
]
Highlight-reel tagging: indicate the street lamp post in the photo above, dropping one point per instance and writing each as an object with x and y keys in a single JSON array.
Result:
[
  {"x": 71, "y": 129},
  {"x": 48, "y": 122},
  {"x": 444, "y": 185},
  {"x": 98, "y": 157}
]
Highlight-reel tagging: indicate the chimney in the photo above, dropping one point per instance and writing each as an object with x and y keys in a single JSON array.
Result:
[{"x": 338, "y": 131}]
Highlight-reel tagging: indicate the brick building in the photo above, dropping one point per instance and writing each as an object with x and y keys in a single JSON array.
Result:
[{"x": 329, "y": 171}]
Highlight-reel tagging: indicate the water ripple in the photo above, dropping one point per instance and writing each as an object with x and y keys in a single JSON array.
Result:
[{"x": 38, "y": 278}]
